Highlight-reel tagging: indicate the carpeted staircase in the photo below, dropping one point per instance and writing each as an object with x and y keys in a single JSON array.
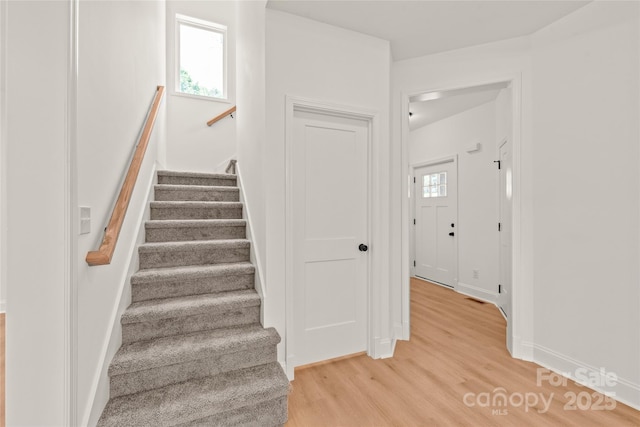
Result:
[{"x": 193, "y": 350}]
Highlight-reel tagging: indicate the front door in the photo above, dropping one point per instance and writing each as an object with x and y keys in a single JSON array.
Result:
[
  {"x": 436, "y": 228},
  {"x": 330, "y": 223}
]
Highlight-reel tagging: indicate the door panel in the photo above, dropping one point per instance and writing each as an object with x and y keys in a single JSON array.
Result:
[
  {"x": 435, "y": 211},
  {"x": 330, "y": 220}
]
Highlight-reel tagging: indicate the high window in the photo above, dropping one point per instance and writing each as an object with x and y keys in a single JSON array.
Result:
[
  {"x": 201, "y": 56},
  {"x": 434, "y": 185}
]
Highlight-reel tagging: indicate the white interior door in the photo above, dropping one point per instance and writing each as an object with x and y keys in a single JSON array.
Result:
[
  {"x": 330, "y": 222},
  {"x": 505, "y": 200},
  {"x": 436, "y": 210}
]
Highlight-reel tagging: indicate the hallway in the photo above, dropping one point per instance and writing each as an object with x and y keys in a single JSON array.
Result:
[{"x": 457, "y": 349}]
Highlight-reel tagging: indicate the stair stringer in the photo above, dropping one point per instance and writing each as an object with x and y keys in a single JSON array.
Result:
[{"x": 254, "y": 256}]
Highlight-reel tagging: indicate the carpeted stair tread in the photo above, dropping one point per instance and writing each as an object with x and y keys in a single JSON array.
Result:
[
  {"x": 181, "y": 174},
  {"x": 175, "y": 230},
  {"x": 147, "y": 311},
  {"x": 197, "y": 178},
  {"x": 187, "y": 223},
  {"x": 195, "y": 187},
  {"x": 183, "y": 192},
  {"x": 182, "y": 348},
  {"x": 192, "y": 245},
  {"x": 169, "y": 210},
  {"x": 192, "y": 272},
  {"x": 191, "y": 400},
  {"x": 194, "y": 204},
  {"x": 192, "y": 252},
  {"x": 270, "y": 413}
]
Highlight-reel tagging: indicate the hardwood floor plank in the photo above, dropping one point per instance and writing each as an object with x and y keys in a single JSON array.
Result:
[
  {"x": 2, "y": 370},
  {"x": 457, "y": 347}
]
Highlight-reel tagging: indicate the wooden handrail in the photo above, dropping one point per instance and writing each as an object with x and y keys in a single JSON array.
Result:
[
  {"x": 222, "y": 116},
  {"x": 104, "y": 254}
]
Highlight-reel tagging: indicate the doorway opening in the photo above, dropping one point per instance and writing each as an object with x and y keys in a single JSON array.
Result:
[{"x": 458, "y": 146}]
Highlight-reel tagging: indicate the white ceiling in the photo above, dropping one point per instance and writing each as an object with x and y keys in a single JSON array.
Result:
[
  {"x": 422, "y": 27},
  {"x": 427, "y": 112}
]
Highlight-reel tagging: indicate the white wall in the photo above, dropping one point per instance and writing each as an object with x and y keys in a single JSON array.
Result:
[
  {"x": 121, "y": 61},
  {"x": 308, "y": 59},
  {"x": 3, "y": 155},
  {"x": 250, "y": 124},
  {"x": 504, "y": 119},
  {"x": 461, "y": 68},
  {"x": 37, "y": 237},
  {"x": 191, "y": 144},
  {"x": 579, "y": 117},
  {"x": 476, "y": 228},
  {"x": 587, "y": 205}
]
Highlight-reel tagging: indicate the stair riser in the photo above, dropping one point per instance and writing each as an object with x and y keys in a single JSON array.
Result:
[
  {"x": 196, "y": 213},
  {"x": 207, "y": 256},
  {"x": 165, "y": 375},
  {"x": 195, "y": 233},
  {"x": 271, "y": 413},
  {"x": 164, "y": 195},
  {"x": 132, "y": 332},
  {"x": 188, "y": 180},
  {"x": 204, "y": 285}
]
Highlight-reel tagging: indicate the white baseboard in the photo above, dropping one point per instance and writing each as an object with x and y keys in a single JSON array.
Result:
[
  {"x": 623, "y": 391},
  {"x": 398, "y": 331},
  {"x": 3, "y": 306},
  {"x": 384, "y": 348},
  {"x": 522, "y": 349},
  {"x": 476, "y": 292}
]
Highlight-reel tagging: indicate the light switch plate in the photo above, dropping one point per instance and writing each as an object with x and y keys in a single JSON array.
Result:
[{"x": 85, "y": 220}]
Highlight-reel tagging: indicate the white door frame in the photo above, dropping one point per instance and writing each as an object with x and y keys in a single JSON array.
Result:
[
  {"x": 412, "y": 191},
  {"x": 293, "y": 104},
  {"x": 518, "y": 303}
]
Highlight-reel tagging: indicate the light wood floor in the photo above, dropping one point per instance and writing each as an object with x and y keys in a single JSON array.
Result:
[
  {"x": 457, "y": 347},
  {"x": 2, "y": 370}
]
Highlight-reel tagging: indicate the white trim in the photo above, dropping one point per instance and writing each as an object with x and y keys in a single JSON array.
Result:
[
  {"x": 202, "y": 97},
  {"x": 625, "y": 391},
  {"x": 477, "y": 293},
  {"x": 254, "y": 255},
  {"x": 113, "y": 337},
  {"x": 452, "y": 158},
  {"x": 204, "y": 25},
  {"x": 518, "y": 323},
  {"x": 71, "y": 226},
  {"x": 385, "y": 348},
  {"x": 3, "y": 154},
  {"x": 375, "y": 345}
]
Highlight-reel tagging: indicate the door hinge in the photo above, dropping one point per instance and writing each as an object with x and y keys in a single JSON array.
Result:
[
  {"x": 414, "y": 221},
  {"x": 414, "y": 179},
  {"x": 499, "y": 289},
  {"x": 414, "y": 262},
  {"x": 499, "y": 162},
  {"x": 499, "y": 226}
]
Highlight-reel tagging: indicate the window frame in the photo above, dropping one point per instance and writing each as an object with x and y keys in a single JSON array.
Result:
[
  {"x": 437, "y": 185},
  {"x": 208, "y": 26}
]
